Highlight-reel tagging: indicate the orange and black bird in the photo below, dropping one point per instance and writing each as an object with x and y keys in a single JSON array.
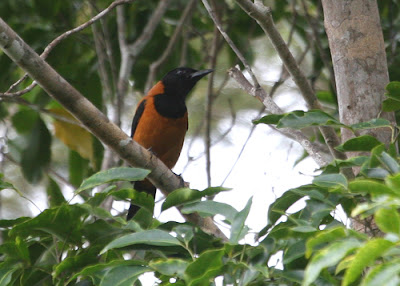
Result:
[{"x": 161, "y": 120}]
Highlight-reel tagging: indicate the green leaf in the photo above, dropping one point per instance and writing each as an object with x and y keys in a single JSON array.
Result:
[
  {"x": 365, "y": 256},
  {"x": 278, "y": 208},
  {"x": 100, "y": 271},
  {"x": 326, "y": 236},
  {"x": 148, "y": 237},
  {"x": 393, "y": 90},
  {"x": 327, "y": 257},
  {"x": 388, "y": 220},
  {"x": 211, "y": 208},
  {"x": 25, "y": 119},
  {"x": 371, "y": 187},
  {"x": 393, "y": 182},
  {"x": 186, "y": 195},
  {"x": 54, "y": 194},
  {"x": 141, "y": 199},
  {"x": 64, "y": 222},
  {"x": 389, "y": 105},
  {"x": 170, "y": 266},
  {"x": 113, "y": 175},
  {"x": 6, "y": 272},
  {"x": 36, "y": 156},
  {"x": 361, "y": 143},
  {"x": 301, "y": 119},
  {"x": 78, "y": 168},
  {"x": 269, "y": 119},
  {"x": 389, "y": 162},
  {"x": 208, "y": 265},
  {"x": 75, "y": 263},
  {"x": 238, "y": 230},
  {"x": 383, "y": 274},
  {"x": 373, "y": 123},
  {"x": 330, "y": 180},
  {"x": 122, "y": 275}
]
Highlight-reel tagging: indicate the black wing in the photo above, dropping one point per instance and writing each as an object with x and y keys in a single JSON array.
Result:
[{"x": 136, "y": 118}]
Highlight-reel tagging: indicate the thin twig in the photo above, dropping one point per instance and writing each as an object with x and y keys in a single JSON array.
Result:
[
  {"x": 241, "y": 57},
  {"x": 189, "y": 9},
  {"x": 130, "y": 52},
  {"x": 60, "y": 38}
]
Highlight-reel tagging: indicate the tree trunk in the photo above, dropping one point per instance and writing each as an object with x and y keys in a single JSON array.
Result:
[{"x": 359, "y": 61}]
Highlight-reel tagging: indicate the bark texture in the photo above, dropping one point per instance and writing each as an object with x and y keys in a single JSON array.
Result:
[{"x": 359, "y": 61}]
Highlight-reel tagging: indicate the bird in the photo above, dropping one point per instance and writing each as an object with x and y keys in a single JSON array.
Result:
[{"x": 161, "y": 121}]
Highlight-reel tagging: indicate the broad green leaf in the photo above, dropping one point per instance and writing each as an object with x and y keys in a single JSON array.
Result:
[
  {"x": 122, "y": 275},
  {"x": 393, "y": 90},
  {"x": 278, "y": 208},
  {"x": 371, "y": 187},
  {"x": 149, "y": 237},
  {"x": 269, "y": 119},
  {"x": 294, "y": 251},
  {"x": 390, "y": 105},
  {"x": 383, "y": 274},
  {"x": 326, "y": 236},
  {"x": 78, "y": 168},
  {"x": 22, "y": 249},
  {"x": 54, "y": 194},
  {"x": 393, "y": 182},
  {"x": 388, "y": 220},
  {"x": 36, "y": 156},
  {"x": 361, "y": 143},
  {"x": 373, "y": 123},
  {"x": 64, "y": 222},
  {"x": 11, "y": 222},
  {"x": 170, "y": 266},
  {"x": 327, "y": 257},
  {"x": 76, "y": 262},
  {"x": 25, "y": 119},
  {"x": 208, "y": 265},
  {"x": 97, "y": 272},
  {"x": 6, "y": 272},
  {"x": 186, "y": 195},
  {"x": 375, "y": 173},
  {"x": 301, "y": 119},
  {"x": 210, "y": 208},
  {"x": 112, "y": 175},
  {"x": 389, "y": 162},
  {"x": 364, "y": 257},
  {"x": 351, "y": 162},
  {"x": 141, "y": 199},
  {"x": 330, "y": 180},
  {"x": 238, "y": 230}
]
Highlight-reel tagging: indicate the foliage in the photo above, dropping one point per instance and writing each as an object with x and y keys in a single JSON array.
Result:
[{"x": 84, "y": 244}]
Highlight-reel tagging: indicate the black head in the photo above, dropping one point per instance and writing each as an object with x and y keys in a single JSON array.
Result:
[{"x": 180, "y": 81}]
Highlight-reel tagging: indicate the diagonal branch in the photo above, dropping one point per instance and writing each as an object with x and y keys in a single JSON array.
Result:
[
  {"x": 60, "y": 38},
  {"x": 130, "y": 52},
  {"x": 95, "y": 121},
  {"x": 172, "y": 42},
  {"x": 262, "y": 15}
]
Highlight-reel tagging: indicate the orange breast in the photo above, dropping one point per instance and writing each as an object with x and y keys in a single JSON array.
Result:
[{"x": 163, "y": 136}]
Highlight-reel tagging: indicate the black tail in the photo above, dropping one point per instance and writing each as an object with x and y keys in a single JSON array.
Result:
[{"x": 142, "y": 186}]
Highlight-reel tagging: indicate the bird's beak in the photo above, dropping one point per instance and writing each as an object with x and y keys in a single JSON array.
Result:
[{"x": 199, "y": 74}]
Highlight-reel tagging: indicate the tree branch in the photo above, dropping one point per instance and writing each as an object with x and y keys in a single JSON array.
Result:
[
  {"x": 262, "y": 15},
  {"x": 60, "y": 38},
  {"x": 271, "y": 107},
  {"x": 172, "y": 42},
  {"x": 95, "y": 121}
]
